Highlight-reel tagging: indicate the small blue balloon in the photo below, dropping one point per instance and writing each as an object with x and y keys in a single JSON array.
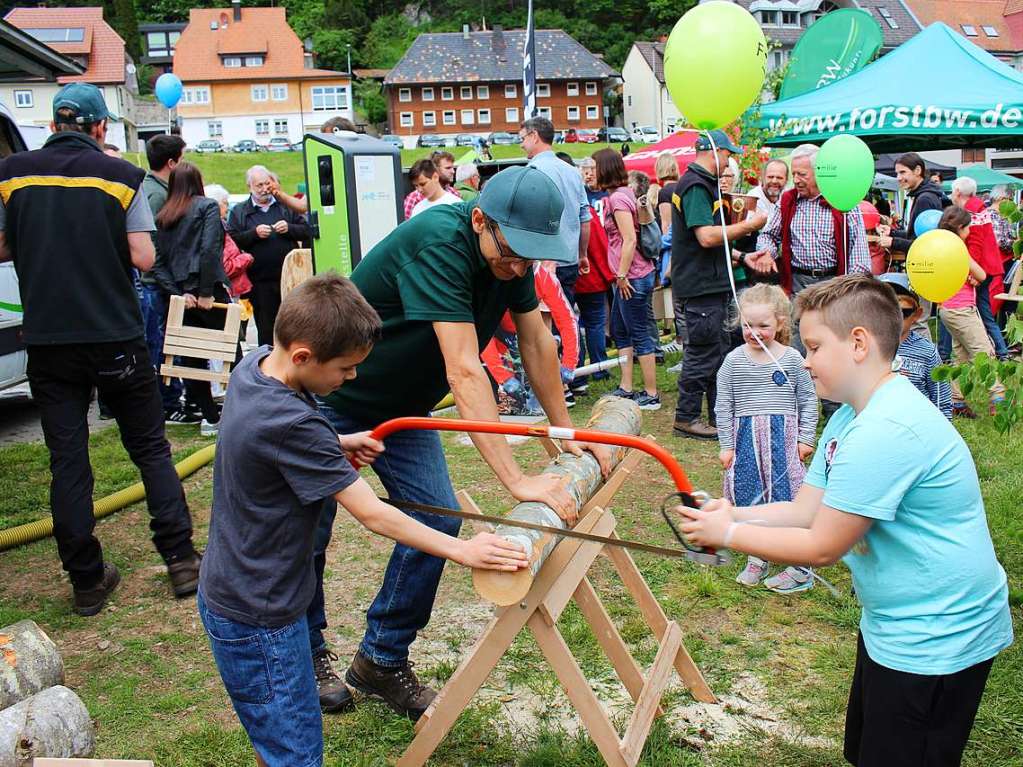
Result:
[
  {"x": 926, "y": 221},
  {"x": 168, "y": 89}
]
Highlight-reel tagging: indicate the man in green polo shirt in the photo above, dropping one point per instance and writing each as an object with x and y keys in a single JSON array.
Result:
[{"x": 441, "y": 283}]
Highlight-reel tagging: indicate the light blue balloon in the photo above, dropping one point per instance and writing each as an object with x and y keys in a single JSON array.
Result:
[
  {"x": 168, "y": 89},
  {"x": 926, "y": 221}
]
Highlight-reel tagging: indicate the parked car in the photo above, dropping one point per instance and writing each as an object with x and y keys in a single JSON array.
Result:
[
  {"x": 297, "y": 147},
  {"x": 209, "y": 145},
  {"x": 430, "y": 140},
  {"x": 247, "y": 145},
  {"x": 501, "y": 138},
  {"x": 613, "y": 135},
  {"x": 279, "y": 144},
  {"x": 13, "y": 357},
  {"x": 465, "y": 139},
  {"x": 645, "y": 134},
  {"x": 390, "y": 138},
  {"x": 571, "y": 136},
  {"x": 587, "y": 136}
]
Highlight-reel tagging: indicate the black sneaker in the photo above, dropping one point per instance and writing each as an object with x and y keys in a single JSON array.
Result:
[
  {"x": 334, "y": 696},
  {"x": 580, "y": 390},
  {"x": 620, "y": 392},
  {"x": 398, "y": 687},
  {"x": 90, "y": 601},
  {"x": 184, "y": 575},
  {"x": 182, "y": 417},
  {"x": 569, "y": 398}
]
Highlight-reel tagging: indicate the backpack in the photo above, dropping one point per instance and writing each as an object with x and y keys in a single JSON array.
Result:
[{"x": 649, "y": 236}]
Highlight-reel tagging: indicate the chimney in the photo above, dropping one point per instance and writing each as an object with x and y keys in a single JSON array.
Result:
[
  {"x": 465, "y": 31},
  {"x": 497, "y": 41},
  {"x": 237, "y": 6}
]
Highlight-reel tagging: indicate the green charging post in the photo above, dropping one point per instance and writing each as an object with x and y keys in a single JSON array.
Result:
[{"x": 354, "y": 184}]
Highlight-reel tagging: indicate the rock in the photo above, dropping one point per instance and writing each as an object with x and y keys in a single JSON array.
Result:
[
  {"x": 53, "y": 722},
  {"x": 29, "y": 662}
]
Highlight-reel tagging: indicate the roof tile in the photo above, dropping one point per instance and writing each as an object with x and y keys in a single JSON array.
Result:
[
  {"x": 103, "y": 45},
  {"x": 976, "y": 13}
]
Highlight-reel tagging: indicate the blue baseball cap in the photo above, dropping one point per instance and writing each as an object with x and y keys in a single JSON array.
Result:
[
  {"x": 84, "y": 100},
  {"x": 721, "y": 141},
  {"x": 527, "y": 206},
  {"x": 900, "y": 282}
]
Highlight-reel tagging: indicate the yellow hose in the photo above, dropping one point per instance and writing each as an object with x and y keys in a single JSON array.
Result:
[{"x": 104, "y": 507}]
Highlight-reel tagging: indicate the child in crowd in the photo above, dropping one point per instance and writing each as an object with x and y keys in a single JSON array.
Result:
[
  {"x": 960, "y": 316},
  {"x": 892, "y": 491},
  {"x": 278, "y": 462},
  {"x": 917, "y": 356},
  {"x": 767, "y": 420}
]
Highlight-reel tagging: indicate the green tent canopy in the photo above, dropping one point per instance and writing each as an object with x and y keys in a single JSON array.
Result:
[
  {"x": 986, "y": 178},
  {"x": 936, "y": 91}
]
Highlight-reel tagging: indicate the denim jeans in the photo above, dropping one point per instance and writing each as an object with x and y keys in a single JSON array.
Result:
[
  {"x": 630, "y": 318},
  {"x": 268, "y": 674},
  {"x": 592, "y": 319},
  {"x": 154, "y": 317},
  {"x": 988, "y": 317},
  {"x": 411, "y": 468}
]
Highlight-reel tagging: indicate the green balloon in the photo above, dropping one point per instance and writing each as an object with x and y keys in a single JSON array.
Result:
[
  {"x": 845, "y": 171},
  {"x": 714, "y": 63}
]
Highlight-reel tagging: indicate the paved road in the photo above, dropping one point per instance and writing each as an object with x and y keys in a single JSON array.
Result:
[{"x": 19, "y": 417}]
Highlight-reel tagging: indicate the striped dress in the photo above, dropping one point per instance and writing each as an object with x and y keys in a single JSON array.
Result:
[{"x": 762, "y": 413}]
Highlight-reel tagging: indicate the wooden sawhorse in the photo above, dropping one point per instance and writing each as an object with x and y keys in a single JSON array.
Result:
[{"x": 564, "y": 577}]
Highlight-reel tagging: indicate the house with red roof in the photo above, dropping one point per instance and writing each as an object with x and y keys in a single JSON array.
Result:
[
  {"x": 82, "y": 35},
  {"x": 246, "y": 75}
]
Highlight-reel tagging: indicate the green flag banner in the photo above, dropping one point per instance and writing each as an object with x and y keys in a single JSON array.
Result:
[{"x": 837, "y": 45}]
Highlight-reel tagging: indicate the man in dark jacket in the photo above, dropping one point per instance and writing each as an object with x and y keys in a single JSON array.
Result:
[
  {"x": 269, "y": 231},
  {"x": 922, "y": 194},
  {"x": 83, "y": 329}
]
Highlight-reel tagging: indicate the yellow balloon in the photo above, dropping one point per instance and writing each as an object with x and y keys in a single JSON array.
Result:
[
  {"x": 714, "y": 63},
  {"x": 937, "y": 264}
]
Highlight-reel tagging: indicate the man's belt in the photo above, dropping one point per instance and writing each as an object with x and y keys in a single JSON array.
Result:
[{"x": 818, "y": 273}]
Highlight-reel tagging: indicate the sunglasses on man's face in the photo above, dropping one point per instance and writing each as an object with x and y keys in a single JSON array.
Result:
[{"x": 907, "y": 313}]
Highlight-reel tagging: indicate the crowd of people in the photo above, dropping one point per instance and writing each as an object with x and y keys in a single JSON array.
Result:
[{"x": 778, "y": 316}]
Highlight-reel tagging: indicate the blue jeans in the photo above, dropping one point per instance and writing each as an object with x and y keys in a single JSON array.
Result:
[
  {"x": 630, "y": 318},
  {"x": 268, "y": 673},
  {"x": 412, "y": 468},
  {"x": 988, "y": 318},
  {"x": 154, "y": 317},
  {"x": 592, "y": 319},
  {"x": 944, "y": 342}
]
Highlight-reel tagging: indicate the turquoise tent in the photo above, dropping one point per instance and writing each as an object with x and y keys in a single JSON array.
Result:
[
  {"x": 936, "y": 91},
  {"x": 986, "y": 178}
]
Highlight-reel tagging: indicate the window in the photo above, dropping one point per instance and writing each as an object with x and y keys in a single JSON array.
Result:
[
  {"x": 449, "y": 116},
  {"x": 544, "y": 112},
  {"x": 429, "y": 119},
  {"x": 172, "y": 38},
  {"x": 468, "y": 116},
  {"x": 969, "y": 30},
  {"x": 447, "y": 94},
  {"x": 511, "y": 115},
  {"x": 330, "y": 98},
  {"x": 973, "y": 155},
  {"x": 200, "y": 95},
  {"x": 406, "y": 120},
  {"x": 427, "y": 94},
  {"x": 778, "y": 58},
  {"x": 591, "y": 89},
  {"x": 279, "y": 92},
  {"x": 573, "y": 89},
  {"x": 260, "y": 93},
  {"x": 592, "y": 112},
  {"x": 483, "y": 91},
  {"x": 253, "y": 61},
  {"x": 281, "y": 126},
  {"x": 769, "y": 18},
  {"x": 465, "y": 92},
  {"x": 483, "y": 117},
  {"x": 789, "y": 18},
  {"x": 57, "y": 34},
  {"x": 628, "y": 99},
  {"x": 543, "y": 90},
  {"x": 156, "y": 44},
  {"x": 232, "y": 62},
  {"x": 215, "y": 129},
  {"x": 404, "y": 94},
  {"x": 886, "y": 15},
  {"x": 990, "y": 31},
  {"x": 573, "y": 113},
  {"x": 262, "y": 127},
  {"x": 511, "y": 92},
  {"x": 23, "y": 98}
]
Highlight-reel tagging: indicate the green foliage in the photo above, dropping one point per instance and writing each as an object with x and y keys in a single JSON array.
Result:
[
  {"x": 126, "y": 24},
  {"x": 370, "y": 101},
  {"x": 331, "y": 46}
]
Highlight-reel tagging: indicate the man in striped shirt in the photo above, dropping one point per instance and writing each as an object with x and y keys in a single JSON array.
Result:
[{"x": 445, "y": 162}]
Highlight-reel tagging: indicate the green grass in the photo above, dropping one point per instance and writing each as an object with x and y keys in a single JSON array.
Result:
[{"x": 154, "y": 692}]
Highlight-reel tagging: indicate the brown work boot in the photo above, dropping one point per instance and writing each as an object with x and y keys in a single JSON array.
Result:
[
  {"x": 184, "y": 574},
  {"x": 90, "y": 601},
  {"x": 334, "y": 696},
  {"x": 398, "y": 686},
  {"x": 695, "y": 430}
]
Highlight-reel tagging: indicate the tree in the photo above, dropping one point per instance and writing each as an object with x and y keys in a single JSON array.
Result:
[{"x": 126, "y": 24}]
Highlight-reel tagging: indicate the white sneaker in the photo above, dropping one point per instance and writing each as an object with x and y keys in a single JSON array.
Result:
[
  {"x": 790, "y": 580},
  {"x": 677, "y": 369},
  {"x": 207, "y": 429},
  {"x": 756, "y": 571}
]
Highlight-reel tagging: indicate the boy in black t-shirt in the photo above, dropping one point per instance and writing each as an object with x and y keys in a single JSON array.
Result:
[{"x": 278, "y": 461}]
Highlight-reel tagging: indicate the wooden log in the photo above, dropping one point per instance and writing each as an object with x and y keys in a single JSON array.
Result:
[
  {"x": 29, "y": 662},
  {"x": 53, "y": 722},
  {"x": 582, "y": 477}
]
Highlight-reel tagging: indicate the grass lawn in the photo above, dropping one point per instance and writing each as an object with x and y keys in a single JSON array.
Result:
[
  {"x": 782, "y": 664},
  {"x": 228, "y": 168}
]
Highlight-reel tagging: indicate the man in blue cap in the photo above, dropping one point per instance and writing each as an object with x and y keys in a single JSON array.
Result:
[
  {"x": 700, "y": 279},
  {"x": 441, "y": 283},
  {"x": 75, "y": 221}
]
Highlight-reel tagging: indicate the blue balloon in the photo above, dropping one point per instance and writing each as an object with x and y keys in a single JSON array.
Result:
[
  {"x": 168, "y": 89},
  {"x": 926, "y": 221}
]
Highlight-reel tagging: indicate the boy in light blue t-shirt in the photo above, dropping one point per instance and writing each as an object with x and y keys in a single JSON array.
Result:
[{"x": 893, "y": 492}]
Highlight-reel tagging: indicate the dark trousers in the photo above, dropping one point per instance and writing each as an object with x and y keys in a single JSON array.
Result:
[
  {"x": 266, "y": 301},
  {"x": 568, "y": 276},
  {"x": 987, "y": 315},
  {"x": 708, "y": 343},
  {"x": 62, "y": 378},
  {"x": 199, "y": 392},
  {"x": 154, "y": 316},
  {"x": 910, "y": 720}
]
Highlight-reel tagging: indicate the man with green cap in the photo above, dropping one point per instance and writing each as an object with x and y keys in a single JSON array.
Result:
[
  {"x": 75, "y": 221},
  {"x": 441, "y": 283}
]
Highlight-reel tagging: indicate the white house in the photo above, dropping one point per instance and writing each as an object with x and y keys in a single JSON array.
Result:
[{"x": 645, "y": 96}]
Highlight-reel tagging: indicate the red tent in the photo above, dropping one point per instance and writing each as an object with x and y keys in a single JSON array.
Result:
[{"x": 680, "y": 144}]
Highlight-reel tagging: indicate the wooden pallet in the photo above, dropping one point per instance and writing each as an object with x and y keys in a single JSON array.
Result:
[
  {"x": 183, "y": 340},
  {"x": 563, "y": 578}
]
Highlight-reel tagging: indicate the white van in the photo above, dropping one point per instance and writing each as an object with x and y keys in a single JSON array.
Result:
[{"x": 13, "y": 357}]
